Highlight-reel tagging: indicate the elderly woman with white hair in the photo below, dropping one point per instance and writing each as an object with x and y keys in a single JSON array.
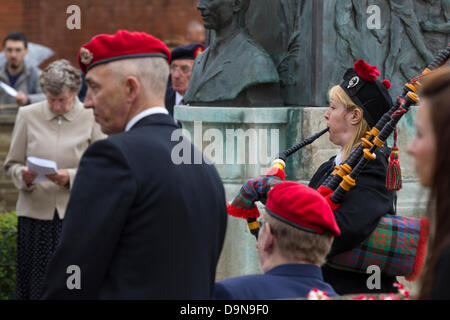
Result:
[{"x": 59, "y": 129}]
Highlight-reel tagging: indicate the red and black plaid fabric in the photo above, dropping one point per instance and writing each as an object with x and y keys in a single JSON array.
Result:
[{"x": 397, "y": 247}]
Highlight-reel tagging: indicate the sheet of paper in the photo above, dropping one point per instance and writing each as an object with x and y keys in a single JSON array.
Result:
[
  {"x": 8, "y": 89},
  {"x": 42, "y": 167}
]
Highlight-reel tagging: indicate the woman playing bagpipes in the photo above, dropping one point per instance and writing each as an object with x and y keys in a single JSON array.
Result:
[{"x": 356, "y": 105}]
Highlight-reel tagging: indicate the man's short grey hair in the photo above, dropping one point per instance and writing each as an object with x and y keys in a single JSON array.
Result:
[
  {"x": 59, "y": 75},
  {"x": 296, "y": 244},
  {"x": 152, "y": 73}
]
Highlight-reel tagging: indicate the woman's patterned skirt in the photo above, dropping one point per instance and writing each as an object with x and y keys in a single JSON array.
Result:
[{"x": 36, "y": 243}]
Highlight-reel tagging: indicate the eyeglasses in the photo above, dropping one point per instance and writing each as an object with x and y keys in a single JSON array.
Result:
[{"x": 182, "y": 69}]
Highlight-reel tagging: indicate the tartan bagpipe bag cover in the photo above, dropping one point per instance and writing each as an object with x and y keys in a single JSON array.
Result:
[{"x": 397, "y": 247}]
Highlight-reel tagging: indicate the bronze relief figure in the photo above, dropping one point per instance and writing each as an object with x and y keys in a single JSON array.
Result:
[{"x": 235, "y": 70}]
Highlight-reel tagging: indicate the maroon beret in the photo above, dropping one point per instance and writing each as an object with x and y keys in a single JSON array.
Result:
[
  {"x": 124, "y": 44},
  {"x": 301, "y": 207},
  {"x": 190, "y": 51}
]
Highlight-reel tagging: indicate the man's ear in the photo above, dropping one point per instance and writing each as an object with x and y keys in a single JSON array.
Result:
[
  {"x": 330, "y": 240},
  {"x": 269, "y": 238},
  {"x": 133, "y": 88},
  {"x": 357, "y": 116}
]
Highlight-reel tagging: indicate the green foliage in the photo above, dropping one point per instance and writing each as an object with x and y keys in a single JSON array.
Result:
[{"x": 8, "y": 247}]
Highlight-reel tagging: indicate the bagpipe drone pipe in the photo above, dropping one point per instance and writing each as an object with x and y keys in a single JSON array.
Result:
[{"x": 398, "y": 244}]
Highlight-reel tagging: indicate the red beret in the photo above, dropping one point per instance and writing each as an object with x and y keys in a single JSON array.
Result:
[
  {"x": 302, "y": 207},
  {"x": 124, "y": 44}
]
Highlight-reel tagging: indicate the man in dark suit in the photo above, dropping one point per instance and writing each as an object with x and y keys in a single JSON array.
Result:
[
  {"x": 181, "y": 65},
  {"x": 137, "y": 226},
  {"x": 294, "y": 238}
]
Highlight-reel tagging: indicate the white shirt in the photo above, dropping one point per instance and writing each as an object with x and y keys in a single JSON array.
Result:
[
  {"x": 178, "y": 98},
  {"x": 144, "y": 114},
  {"x": 337, "y": 160}
]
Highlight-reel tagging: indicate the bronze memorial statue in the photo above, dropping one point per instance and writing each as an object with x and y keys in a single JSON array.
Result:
[{"x": 235, "y": 70}]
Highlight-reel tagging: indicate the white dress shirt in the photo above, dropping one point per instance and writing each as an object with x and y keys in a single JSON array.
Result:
[
  {"x": 178, "y": 98},
  {"x": 144, "y": 114}
]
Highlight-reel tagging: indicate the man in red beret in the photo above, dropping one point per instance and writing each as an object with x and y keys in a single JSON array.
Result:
[
  {"x": 135, "y": 227},
  {"x": 296, "y": 233}
]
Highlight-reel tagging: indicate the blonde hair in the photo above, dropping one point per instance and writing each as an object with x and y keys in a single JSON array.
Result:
[
  {"x": 296, "y": 244},
  {"x": 338, "y": 94}
]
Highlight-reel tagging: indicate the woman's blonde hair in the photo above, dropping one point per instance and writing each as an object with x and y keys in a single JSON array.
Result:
[{"x": 338, "y": 94}]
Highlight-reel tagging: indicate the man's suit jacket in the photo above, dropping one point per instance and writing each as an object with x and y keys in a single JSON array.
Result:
[
  {"x": 169, "y": 99},
  {"x": 137, "y": 225},
  {"x": 282, "y": 282}
]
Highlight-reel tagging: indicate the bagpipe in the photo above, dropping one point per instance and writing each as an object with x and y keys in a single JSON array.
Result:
[{"x": 398, "y": 244}]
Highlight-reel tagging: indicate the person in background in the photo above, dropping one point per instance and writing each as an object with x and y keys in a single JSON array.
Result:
[
  {"x": 16, "y": 74},
  {"x": 181, "y": 65},
  {"x": 82, "y": 93},
  {"x": 295, "y": 236},
  {"x": 432, "y": 167},
  {"x": 57, "y": 129}
]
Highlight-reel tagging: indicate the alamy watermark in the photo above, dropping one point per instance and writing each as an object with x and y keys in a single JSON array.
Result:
[
  {"x": 238, "y": 146},
  {"x": 374, "y": 20},
  {"x": 374, "y": 281},
  {"x": 74, "y": 280},
  {"x": 74, "y": 20}
]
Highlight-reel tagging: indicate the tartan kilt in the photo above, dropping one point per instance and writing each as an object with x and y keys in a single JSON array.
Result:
[{"x": 397, "y": 246}]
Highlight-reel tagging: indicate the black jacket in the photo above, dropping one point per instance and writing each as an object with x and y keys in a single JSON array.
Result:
[
  {"x": 169, "y": 100},
  {"x": 138, "y": 225},
  {"x": 441, "y": 286},
  {"x": 357, "y": 217},
  {"x": 281, "y": 282}
]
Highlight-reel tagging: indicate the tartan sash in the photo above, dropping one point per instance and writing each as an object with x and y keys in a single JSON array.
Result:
[{"x": 397, "y": 246}]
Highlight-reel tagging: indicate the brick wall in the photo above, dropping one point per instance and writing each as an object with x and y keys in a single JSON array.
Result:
[
  {"x": 44, "y": 21},
  {"x": 11, "y": 16}
]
